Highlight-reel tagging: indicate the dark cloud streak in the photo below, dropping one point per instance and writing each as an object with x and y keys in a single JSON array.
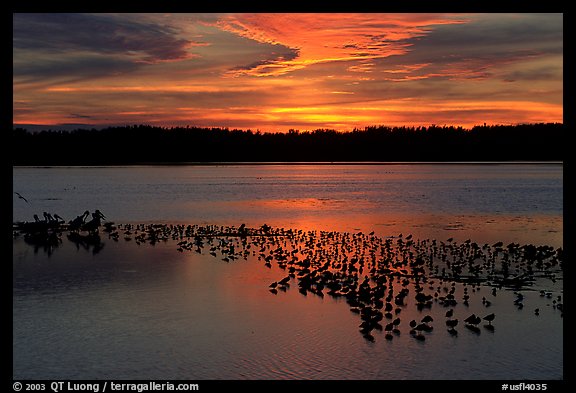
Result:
[
  {"x": 283, "y": 54},
  {"x": 50, "y": 70},
  {"x": 483, "y": 50},
  {"x": 498, "y": 32},
  {"x": 98, "y": 34},
  {"x": 54, "y": 48}
]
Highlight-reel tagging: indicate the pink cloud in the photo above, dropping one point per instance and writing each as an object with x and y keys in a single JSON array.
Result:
[{"x": 322, "y": 38}]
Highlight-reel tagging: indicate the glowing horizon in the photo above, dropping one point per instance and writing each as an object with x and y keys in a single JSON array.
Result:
[{"x": 275, "y": 72}]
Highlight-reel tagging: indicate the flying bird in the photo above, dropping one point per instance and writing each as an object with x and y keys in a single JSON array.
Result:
[{"x": 21, "y": 197}]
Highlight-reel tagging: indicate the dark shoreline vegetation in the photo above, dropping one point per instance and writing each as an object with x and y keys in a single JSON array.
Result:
[{"x": 144, "y": 144}]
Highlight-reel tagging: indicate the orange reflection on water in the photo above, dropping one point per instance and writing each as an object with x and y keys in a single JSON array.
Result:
[
  {"x": 342, "y": 216},
  {"x": 223, "y": 312}
]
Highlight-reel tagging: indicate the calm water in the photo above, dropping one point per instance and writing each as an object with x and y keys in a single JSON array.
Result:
[
  {"x": 151, "y": 312},
  {"x": 520, "y": 203}
]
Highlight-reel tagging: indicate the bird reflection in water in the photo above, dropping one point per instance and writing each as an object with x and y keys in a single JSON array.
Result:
[
  {"x": 47, "y": 234},
  {"x": 375, "y": 276},
  {"x": 91, "y": 240},
  {"x": 47, "y": 241}
]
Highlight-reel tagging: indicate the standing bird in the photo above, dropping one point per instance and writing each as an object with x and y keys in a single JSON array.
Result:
[
  {"x": 489, "y": 318},
  {"x": 427, "y": 319},
  {"x": 76, "y": 223},
  {"x": 242, "y": 231},
  {"x": 472, "y": 320},
  {"x": 21, "y": 197},
  {"x": 452, "y": 323},
  {"x": 94, "y": 223}
]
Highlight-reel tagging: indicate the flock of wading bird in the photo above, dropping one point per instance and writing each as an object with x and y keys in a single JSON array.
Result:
[{"x": 378, "y": 277}]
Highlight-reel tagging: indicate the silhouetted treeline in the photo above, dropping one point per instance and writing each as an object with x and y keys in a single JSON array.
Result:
[{"x": 148, "y": 144}]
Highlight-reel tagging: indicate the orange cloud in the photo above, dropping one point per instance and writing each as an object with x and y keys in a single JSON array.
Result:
[
  {"x": 321, "y": 38},
  {"x": 279, "y": 71}
]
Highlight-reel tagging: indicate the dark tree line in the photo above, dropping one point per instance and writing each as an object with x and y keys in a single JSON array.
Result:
[{"x": 148, "y": 144}]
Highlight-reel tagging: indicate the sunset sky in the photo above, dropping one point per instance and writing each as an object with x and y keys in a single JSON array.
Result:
[{"x": 273, "y": 72}]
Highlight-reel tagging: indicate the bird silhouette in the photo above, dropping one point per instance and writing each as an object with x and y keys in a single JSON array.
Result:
[
  {"x": 374, "y": 288},
  {"x": 21, "y": 197},
  {"x": 473, "y": 320},
  {"x": 94, "y": 224},
  {"x": 489, "y": 318},
  {"x": 77, "y": 223},
  {"x": 59, "y": 219},
  {"x": 451, "y": 323},
  {"x": 427, "y": 319}
]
